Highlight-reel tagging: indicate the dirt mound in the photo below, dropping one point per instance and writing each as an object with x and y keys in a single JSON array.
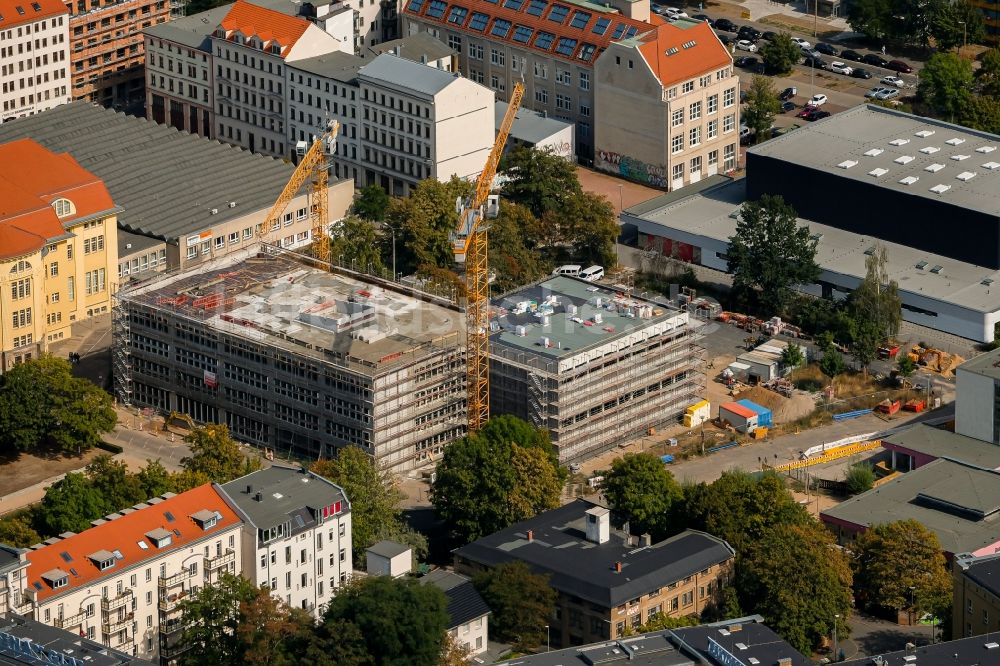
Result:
[
  {"x": 763, "y": 397},
  {"x": 783, "y": 410}
]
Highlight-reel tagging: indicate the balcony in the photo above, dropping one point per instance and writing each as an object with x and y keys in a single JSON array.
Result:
[
  {"x": 114, "y": 603},
  {"x": 171, "y": 627},
  {"x": 220, "y": 561},
  {"x": 169, "y": 602},
  {"x": 71, "y": 620},
  {"x": 25, "y": 608},
  {"x": 116, "y": 625},
  {"x": 175, "y": 580},
  {"x": 172, "y": 652}
]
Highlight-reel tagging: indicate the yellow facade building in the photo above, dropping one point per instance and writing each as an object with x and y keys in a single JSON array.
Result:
[{"x": 58, "y": 248}]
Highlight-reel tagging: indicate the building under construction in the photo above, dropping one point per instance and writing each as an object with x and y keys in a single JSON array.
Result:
[
  {"x": 292, "y": 356},
  {"x": 592, "y": 364}
]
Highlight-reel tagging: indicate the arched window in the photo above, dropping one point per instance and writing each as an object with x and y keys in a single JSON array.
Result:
[
  {"x": 64, "y": 207},
  {"x": 20, "y": 267}
]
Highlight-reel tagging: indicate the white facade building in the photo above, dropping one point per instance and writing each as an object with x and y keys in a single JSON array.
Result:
[
  {"x": 977, "y": 397},
  {"x": 34, "y": 57},
  {"x": 297, "y": 534}
]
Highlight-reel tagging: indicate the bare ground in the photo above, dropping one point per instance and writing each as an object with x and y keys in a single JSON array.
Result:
[{"x": 28, "y": 469}]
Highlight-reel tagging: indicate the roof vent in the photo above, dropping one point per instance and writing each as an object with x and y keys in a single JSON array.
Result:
[
  {"x": 689, "y": 45},
  {"x": 966, "y": 176},
  {"x": 985, "y": 149},
  {"x": 232, "y": 204},
  {"x": 930, "y": 150},
  {"x": 937, "y": 269},
  {"x": 903, "y": 159},
  {"x": 954, "y": 142},
  {"x": 959, "y": 158},
  {"x": 986, "y": 282},
  {"x": 921, "y": 265},
  {"x": 991, "y": 646},
  {"x": 909, "y": 180},
  {"x": 878, "y": 172},
  {"x": 940, "y": 189},
  {"x": 847, "y": 164},
  {"x": 672, "y": 50},
  {"x": 899, "y": 142},
  {"x": 870, "y": 251},
  {"x": 933, "y": 168},
  {"x": 923, "y": 134},
  {"x": 214, "y": 211},
  {"x": 992, "y": 166},
  {"x": 874, "y": 152}
]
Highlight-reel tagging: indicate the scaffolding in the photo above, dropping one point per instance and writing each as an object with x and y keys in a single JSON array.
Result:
[{"x": 121, "y": 349}]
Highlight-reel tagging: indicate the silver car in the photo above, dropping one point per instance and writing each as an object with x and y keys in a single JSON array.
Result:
[{"x": 887, "y": 93}]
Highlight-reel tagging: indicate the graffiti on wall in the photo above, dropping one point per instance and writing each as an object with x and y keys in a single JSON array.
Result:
[{"x": 631, "y": 168}]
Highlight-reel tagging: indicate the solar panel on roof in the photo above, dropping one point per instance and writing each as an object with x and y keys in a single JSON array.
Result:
[
  {"x": 500, "y": 28},
  {"x": 177, "y": 533},
  {"x": 66, "y": 556},
  {"x": 38, "y": 586},
  {"x": 457, "y": 15},
  {"x": 299, "y": 521},
  {"x": 415, "y": 6},
  {"x": 544, "y": 40},
  {"x": 601, "y": 26},
  {"x": 580, "y": 20},
  {"x": 479, "y": 21},
  {"x": 537, "y": 7},
  {"x": 587, "y": 52},
  {"x": 619, "y": 31},
  {"x": 566, "y": 46},
  {"x": 558, "y": 13},
  {"x": 513, "y": 4},
  {"x": 631, "y": 32},
  {"x": 436, "y": 8},
  {"x": 73, "y": 571},
  {"x": 522, "y": 34},
  {"x": 169, "y": 516}
]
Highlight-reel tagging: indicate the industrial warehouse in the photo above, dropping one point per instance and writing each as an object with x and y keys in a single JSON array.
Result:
[
  {"x": 591, "y": 364},
  {"x": 291, "y": 355}
]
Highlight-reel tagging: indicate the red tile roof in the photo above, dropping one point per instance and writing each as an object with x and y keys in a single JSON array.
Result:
[
  {"x": 124, "y": 535},
  {"x": 31, "y": 179},
  {"x": 271, "y": 27},
  {"x": 680, "y": 51},
  {"x": 18, "y": 12},
  {"x": 563, "y": 30}
]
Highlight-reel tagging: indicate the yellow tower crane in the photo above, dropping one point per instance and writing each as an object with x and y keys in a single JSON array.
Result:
[
  {"x": 470, "y": 246},
  {"x": 313, "y": 165}
]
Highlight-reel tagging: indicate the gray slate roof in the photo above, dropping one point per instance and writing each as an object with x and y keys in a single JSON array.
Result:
[
  {"x": 758, "y": 641},
  {"x": 939, "y": 443},
  {"x": 193, "y": 31},
  {"x": 975, "y": 651},
  {"x": 129, "y": 243},
  {"x": 338, "y": 66},
  {"x": 985, "y": 572},
  {"x": 167, "y": 181},
  {"x": 286, "y": 492},
  {"x": 388, "y": 549},
  {"x": 415, "y": 47},
  {"x": 414, "y": 76},
  {"x": 584, "y": 569},
  {"x": 464, "y": 602},
  {"x": 529, "y": 126},
  {"x": 67, "y": 643}
]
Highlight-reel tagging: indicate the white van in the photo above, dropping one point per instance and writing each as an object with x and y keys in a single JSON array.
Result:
[
  {"x": 592, "y": 274},
  {"x": 569, "y": 269}
]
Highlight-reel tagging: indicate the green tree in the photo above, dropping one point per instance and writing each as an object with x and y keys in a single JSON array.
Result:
[
  {"x": 945, "y": 84},
  {"x": 216, "y": 455},
  {"x": 906, "y": 365},
  {"x": 41, "y": 402},
  {"x": 988, "y": 74},
  {"x": 770, "y": 252},
  {"x": 958, "y": 23},
  {"x": 539, "y": 179},
  {"x": 792, "y": 356},
  {"x": 331, "y": 643},
  {"x": 479, "y": 488},
  {"x": 876, "y": 299},
  {"x": 870, "y": 17},
  {"x": 155, "y": 479},
  {"x": 211, "y": 619},
  {"x": 900, "y": 565},
  {"x": 522, "y": 603},
  {"x": 761, "y": 106},
  {"x": 643, "y": 492},
  {"x": 864, "y": 347},
  {"x": 403, "y": 622},
  {"x": 118, "y": 487},
  {"x": 591, "y": 228},
  {"x": 69, "y": 505},
  {"x": 510, "y": 257},
  {"x": 16, "y": 531},
  {"x": 354, "y": 242},
  {"x": 371, "y": 204},
  {"x": 982, "y": 112},
  {"x": 375, "y": 499},
  {"x": 424, "y": 221},
  {"x": 781, "y": 54},
  {"x": 859, "y": 478},
  {"x": 832, "y": 363},
  {"x": 266, "y": 630},
  {"x": 799, "y": 602}
]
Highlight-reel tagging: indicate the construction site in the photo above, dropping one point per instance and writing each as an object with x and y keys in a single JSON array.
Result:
[
  {"x": 293, "y": 356},
  {"x": 592, "y": 364}
]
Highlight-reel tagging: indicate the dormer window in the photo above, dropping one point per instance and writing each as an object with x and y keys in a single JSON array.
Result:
[
  {"x": 276, "y": 49},
  {"x": 206, "y": 519},
  {"x": 64, "y": 207},
  {"x": 220, "y": 32},
  {"x": 160, "y": 537},
  {"x": 56, "y": 578},
  {"x": 103, "y": 559}
]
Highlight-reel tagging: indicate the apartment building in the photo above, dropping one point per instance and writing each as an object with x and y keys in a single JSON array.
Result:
[
  {"x": 107, "y": 55},
  {"x": 667, "y": 106},
  {"x": 976, "y": 607},
  {"x": 58, "y": 248},
  {"x": 24, "y": 641},
  {"x": 13, "y": 579},
  {"x": 252, "y": 46},
  {"x": 293, "y": 356},
  {"x": 296, "y": 534},
  {"x": 551, "y": 46},
  {"x": 608, "y": 582},
  {"x": 34, "y": 57},
  {"x": 121, "y": 581},
  {"x": 468, "y": 614}
]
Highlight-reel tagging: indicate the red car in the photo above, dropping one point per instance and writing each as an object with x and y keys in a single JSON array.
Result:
[
  {"x": 899, "y": 66},
  {"x": 807, "y": 112}
]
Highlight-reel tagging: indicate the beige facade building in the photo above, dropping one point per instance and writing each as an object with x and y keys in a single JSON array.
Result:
[
  {"x": 976, "y": 607},
  {"x": 58, "y": 248},
  {"x": 667, "y": 106},
  {"x": 34, "y": 57}
]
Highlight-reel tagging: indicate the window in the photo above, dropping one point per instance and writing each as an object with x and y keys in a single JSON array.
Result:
[
  {"x": 455, "y": 42},
  {"x": 580, "y": 20},
  {"x": 696, "y": 169},
  {"x": 541, "y": 95},
  {"x": 730, "y": 157},
  {"x": 21, "y": 318},
  {"x": 713, "y": 129},
  {"x": 475, "y": 51},
  {"x": 64, "y": 207},
  {"x": 71, "y": 287},
  {"x": 343, "y": 555},
  {"x": 728, "y": 98},
  {"x": 54, "y": 268},
  {"x": 677, "y": 118},
  {"x": 457, "y": 15},
  {"x": 220, "y": 241},
  {"x": 713, "y": 158},
  {"x": 584, "y": 80},
  {"x": 436, "y": 8},
  {"x": 541, "y": 71},
  {"x": 20, "y": 289},
  {"x": 558, "y": 13},
  {"x": 695, "y": 111},
  {"x": 713, "y": 104},
  {"x": 705, "y": 81},
  {"x": 694, "y": 136},
  {"x": 601, "y": 26},
  {"x": 500, "y": 28},
  {"x": 478, "y": 23},
  {"x": 522, "y": 35},
  {"x": 672, "y": 92},
  {"x": 729, "y": 123},
  {"x": 677, "y": 143},
  {"x": 543, "y": 40},
  {"x": 563, "y": 102},
  {"x": 497, "y": 57},
  {"x": 564, "y": 77},
  {"x": 585, "y": 109},
  {"x": 234, "y": 238},
  {"x": 678, "y": 171}
]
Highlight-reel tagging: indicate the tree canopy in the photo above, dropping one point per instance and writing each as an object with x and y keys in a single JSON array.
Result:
[
  {"x": 762, "y": 105},
  {"x": 355, "y": 242},
  {"x": 539, "y": 180},
  {"x": 522, "y": 603},
  {"x": 859, "y": 478},
  {"x": 371, "y": 203},
  {"x": 770, "y": 253},
  {"x": 216, "y": 455},
  {"x": 945, "y": 84},
  {"x": 781, "y": 54},
  {"x": 643, "y": 492},
  {"x": 876, "y": 300},
  {"x": 424, "y": 221}
]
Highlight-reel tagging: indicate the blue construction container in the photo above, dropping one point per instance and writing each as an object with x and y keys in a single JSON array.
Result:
[
  {"x": 667, "y": 459},
  {"x": 763, "y": 413}
]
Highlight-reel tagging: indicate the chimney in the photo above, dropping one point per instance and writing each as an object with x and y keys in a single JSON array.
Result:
[
  {"x": 733, "y": 628},
  {"x": 645, "y": 540},
  {"x": 598, "y": 524},
  {"x": 259, "y": 496},
  {"x": 618, "y": 567},
  {"x": 531, "y": 536},
  {"x": 249, "y": 489}
]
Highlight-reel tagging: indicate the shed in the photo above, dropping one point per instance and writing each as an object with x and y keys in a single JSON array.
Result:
[
  {"x": 740, "y": 417},
  {"x": 388, "y": 558},
  {"x": 760, "y": 365},
  {"x": 763, "y": 413}
]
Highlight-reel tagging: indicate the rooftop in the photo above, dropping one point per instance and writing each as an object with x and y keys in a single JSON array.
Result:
[
  {"x": 975, "y": 651},
  {"x": 653, "y": 649},
  {"x": 984, "y": 571},
  {"x": 337, "y": 65},
  {"x": 749, "y": 642},
  {"x": 563, "y": 316},
  {"x": 421, "y": 47},
  {"x": 710, "y": 213},
  {"x": 331, "y": 317},
  {"x": 959, "y": 502},
  {"x": 193, "y": 31},
  {"x": 388, "y": 549},
  {"x": 403, "y": 73},
  {"x": 931, "y": 441},
  {"x": 19, "y": 12},
  {"x": 529, "y": 126},
  {"x": 680, "y": 50},
  {"x": 913, "y": 154},
  {"x": 986, "y": 364},
  {"x": 464, "y": 602},
  {"x": 168, "y": 182},
  {"x": 585, "y": 569},
  {"x": 57, "y": 646},
  {"x": 277, "y": 30},
  {"x": 129, "y": 243},
  {"x": 576, "y": 31},
  {"x": 279, "y": 494},
  {"x": 131, "y": 535}
]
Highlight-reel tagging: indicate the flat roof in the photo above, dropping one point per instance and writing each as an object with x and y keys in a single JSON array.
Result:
[
  {"x": 337, "y": 65},
  {"x": 711, "y": 212},
  {"x": 959, "y": 502},
  {"x": 421, "y": 47},
  {"x": 974, "y": 651},
  {"x": 529, "y": 126},
  {"x": 285, "y": 492},
  {"x": 572, "y": 307},
  {"x": 193, "y": 31},
  {"x": 167, "y": 181},
  {"x": 585, "y": 569},
  {"x": 65, "y": 644},
  {"x": 986, "y": 364},
  {"x": 129, "y": 243},
  {"x": 404, "y": 73},
  {"x": 280, "y": 301},
  {"x": 931, "y": 441},
  {"x": 652, "y": 649},
  {"x": 747, "y": 641},
  {"x": 890, "y": 147}
]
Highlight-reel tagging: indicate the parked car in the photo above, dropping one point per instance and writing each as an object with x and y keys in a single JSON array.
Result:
[
  {"x": 819, "y": 99},
  {"x": 875, "y": 91},
  {"x": 787, "y": 106},
  {"x": 893, "y": 81},
  {"x": 826, "y": 49},
  {"x": 899, "y": 66},
  {"x": 875, "y": 60},
  {"x": 841, "y": 68},
  {"x": 814, "y": 61},
  {"x": 769, "y": 36},
  {"x": 747, "y": 32},
  {"x": 802, "y": 44},
  {"x": 788, "y": 93},
  {"x": 746, "y": 45},
  {"x": 725, "y": 39},
  {"x": 888, "y": 93},
  {"x": 818, "y": 114},
  {"x": 859, "y": 73},
  {"x": 725, "y": 24},
  {"x": 807, "y": 112},
  {"x": 702, "y": 17},
  {"x": 748, "y": 62},
  {"x": 852, "y": 55}
]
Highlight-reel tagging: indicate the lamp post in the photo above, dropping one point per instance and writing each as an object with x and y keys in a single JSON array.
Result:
[
  {"x": 836, "y": 645},
  {"x": 965, "y": 33},
  {"x": 548, "y": 643},
  {"x": 392, "y": 230}
]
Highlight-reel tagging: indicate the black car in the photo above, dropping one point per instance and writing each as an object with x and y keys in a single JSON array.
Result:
[
  {"x": 875, "y": 60},
  {"x": 787, "y": 106},
  {"x": 769, "y": 36},
  {"x": 702, "y": 17},
  {"x": 819, "y": 115},
  {"x": 860, "y": 73},
  {"x": 725, "y": 39},
  {"x": 813, "y": 61},
  {"x": 826, "y": 49},
  {"x": 851, "y": 55},
  {"x": 787, "y": 94},
  {"x": 725, "y": 24},
  {"x": 749, "y": 62},
  {"x": 746, "y": 32}
]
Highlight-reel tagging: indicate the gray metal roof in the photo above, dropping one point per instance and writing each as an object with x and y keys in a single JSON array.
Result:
[
  {"x": 421, "y": 47},
  {"x": 167, "y": 181},
  {"x": 959, "y": 502},
  {"x": 284, "y": 492},
  {"x": 129, "y": 243},
  {"x": 529, "y": 126},
  {"x": 61, "y": 642},
  {"x": 193, "y": 31},
  {"x": 388, "y": 549},
  {"x": 585, "y": 569},
  {"x": 745, "y": 640},
  {"x": 338, "y": 66},
  {"x": 983, "y": 571},
  {"x": 986, "y": 364},
  {"x": 653, "y": 649},
  {"x": 873, "y": 143},
  {"x": 939, "y": 443},
  {"x": 403, "y": 73},
  {"x": 464, "y": 602},
  {"x": 975, "y": 651}
]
